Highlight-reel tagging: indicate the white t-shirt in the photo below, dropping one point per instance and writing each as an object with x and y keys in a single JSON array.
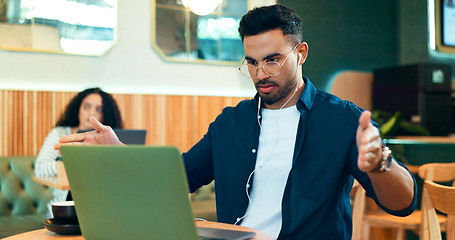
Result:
[{"x": 274, "y": 161}]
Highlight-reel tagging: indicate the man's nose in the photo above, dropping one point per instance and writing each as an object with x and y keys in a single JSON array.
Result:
[{"x": 262, "y": 74}]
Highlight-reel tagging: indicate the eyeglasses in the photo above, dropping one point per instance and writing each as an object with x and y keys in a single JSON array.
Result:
[{"x": 270, "y": 68}]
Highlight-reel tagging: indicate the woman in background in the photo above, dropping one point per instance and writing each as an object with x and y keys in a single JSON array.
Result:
[{"x": 90, "y": 102}]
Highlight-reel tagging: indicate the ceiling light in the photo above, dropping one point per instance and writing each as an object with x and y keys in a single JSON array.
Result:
[{"x": 202, "y": 7}]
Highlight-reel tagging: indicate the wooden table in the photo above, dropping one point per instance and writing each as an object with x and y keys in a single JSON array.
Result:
[
  {"x": 44, "y": 234},
  {"x": 54, "y": 182},
  {"x": 418, "y": 150},
  {"x": 422, "y": 139},
  {"x": 60, "y": 181}
]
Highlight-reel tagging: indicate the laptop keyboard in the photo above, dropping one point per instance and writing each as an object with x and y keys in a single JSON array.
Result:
[
  {"x": 223, "y": 234},
  {"x": 210, "y": 238}
]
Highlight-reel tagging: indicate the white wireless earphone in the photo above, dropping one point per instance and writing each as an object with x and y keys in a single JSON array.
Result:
[
  {"x": 300, "y": 58},
  {"x": 259, "y": 113}
]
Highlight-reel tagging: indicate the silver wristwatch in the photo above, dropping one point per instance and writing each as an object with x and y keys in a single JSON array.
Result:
[{"x": 386, "y": 161}]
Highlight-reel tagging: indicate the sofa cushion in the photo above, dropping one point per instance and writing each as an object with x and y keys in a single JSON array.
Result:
[
  {"x": 23, "y": 202},
  {"x": 10, "y": 225}
]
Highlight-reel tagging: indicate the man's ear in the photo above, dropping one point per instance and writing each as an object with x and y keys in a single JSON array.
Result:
[{"x": 303, "y": 52}]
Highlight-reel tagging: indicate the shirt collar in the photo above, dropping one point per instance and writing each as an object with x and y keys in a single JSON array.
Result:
[{"x": 306, "y": 99}]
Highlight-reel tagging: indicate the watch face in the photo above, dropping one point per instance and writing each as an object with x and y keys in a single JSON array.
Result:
[
  {"x": 386, "y": 159},
  {"x": 388, "y": 162}
]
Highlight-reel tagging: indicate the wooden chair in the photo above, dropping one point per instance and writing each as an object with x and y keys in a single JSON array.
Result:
[
  {"x": 354, "y": 86},
  {"x": 358, "y": 209},
  {"x": 442, "y": 198},
  {"x": 364, "y": 218}
]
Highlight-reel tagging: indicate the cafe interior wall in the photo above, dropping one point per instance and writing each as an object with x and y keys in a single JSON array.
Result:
[
  {"x": 130, "y": 66},
  {"x": 414, "y": 37},
  {"x": 345, "y": 35},
  {"x": 364, "y": 36}
]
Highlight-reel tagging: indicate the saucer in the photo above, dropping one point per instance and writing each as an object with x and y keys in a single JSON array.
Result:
[{"x": 63, "y": 229}]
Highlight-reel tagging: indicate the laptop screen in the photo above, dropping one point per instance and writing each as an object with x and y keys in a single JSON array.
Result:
[{"x": 133, "y": 192}]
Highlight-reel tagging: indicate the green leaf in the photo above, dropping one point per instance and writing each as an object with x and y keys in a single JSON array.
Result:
[
  {"x": 414, "y": 129},
  {"x": 391, "y": 126}
]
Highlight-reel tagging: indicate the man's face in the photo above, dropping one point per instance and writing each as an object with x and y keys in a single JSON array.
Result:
[{"x": 272, "y": 46}]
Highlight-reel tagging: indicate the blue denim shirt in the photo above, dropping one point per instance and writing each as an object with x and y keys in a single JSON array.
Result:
[{"x": 316, "y": 200}]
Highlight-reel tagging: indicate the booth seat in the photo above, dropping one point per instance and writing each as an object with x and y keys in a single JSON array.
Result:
[
  {"x": 23, "y": 202},
  {"x": 203, "y": 202}
]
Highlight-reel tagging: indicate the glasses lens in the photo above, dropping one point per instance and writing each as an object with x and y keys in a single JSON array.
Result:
[
  {"x": 248, "y": 70},
  {"x": 272, "y": 68}
]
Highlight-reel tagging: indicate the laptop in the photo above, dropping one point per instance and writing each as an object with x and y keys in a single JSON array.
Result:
[
  {"x": 127, "y": 136},
  {"x": 134, "y": 192}
]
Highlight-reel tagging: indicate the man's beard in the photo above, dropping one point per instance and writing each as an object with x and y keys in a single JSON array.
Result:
[{"x": 271, "y": 99}]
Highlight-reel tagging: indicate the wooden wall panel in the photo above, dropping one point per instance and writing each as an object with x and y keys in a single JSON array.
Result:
[{"x": 26, "y": 117}]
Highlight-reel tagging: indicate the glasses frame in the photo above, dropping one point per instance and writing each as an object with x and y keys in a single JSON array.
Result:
[{"x": 263, "y": 64}]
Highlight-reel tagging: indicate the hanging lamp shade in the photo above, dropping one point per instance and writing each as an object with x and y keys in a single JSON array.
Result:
[{"x": 201, "y": 7}]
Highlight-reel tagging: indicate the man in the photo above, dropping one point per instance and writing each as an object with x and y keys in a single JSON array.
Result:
[{"x": 284, "y": 162}]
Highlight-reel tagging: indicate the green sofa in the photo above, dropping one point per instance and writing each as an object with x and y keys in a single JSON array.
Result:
[
  {"x": 203, "y": 202},
  {"x": 23, "y": 202}
]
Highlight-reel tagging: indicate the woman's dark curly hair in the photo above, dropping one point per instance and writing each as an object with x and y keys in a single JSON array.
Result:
[{"x": 111, "y": 113}]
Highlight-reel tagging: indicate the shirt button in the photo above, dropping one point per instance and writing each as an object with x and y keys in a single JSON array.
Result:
[{"x": 253, "y": 151}]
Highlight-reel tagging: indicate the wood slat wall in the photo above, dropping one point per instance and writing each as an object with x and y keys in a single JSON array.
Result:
[{"x": 26, "y": 117}]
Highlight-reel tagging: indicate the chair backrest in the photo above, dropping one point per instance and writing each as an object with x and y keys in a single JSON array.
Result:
[
  {"x": 438, "y": 172},
  {"x": 442, "y": 198},
  {"x": 354, "y": 86}
]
